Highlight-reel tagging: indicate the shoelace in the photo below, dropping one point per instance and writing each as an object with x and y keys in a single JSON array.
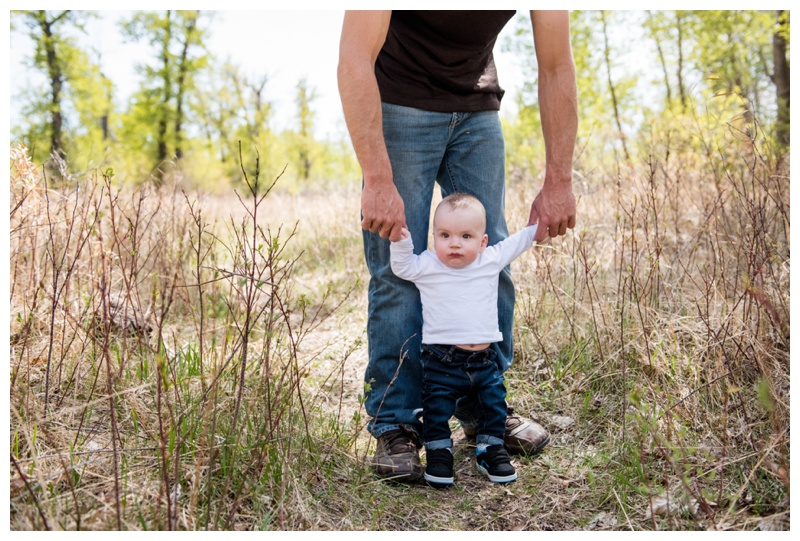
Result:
[
  {"x": 497, "y": 455},
  {"x": 404, "y": 440},
  {"x": 512, "y": 420}
]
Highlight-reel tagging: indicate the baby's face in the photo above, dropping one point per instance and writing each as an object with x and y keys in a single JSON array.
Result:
[{"x": 458, "y": 236}]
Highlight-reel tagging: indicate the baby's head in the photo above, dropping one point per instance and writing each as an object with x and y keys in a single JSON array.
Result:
[{"x": 459, "y": 230}]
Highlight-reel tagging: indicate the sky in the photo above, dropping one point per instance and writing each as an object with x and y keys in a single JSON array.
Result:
[{"x": 284, "y": 45}]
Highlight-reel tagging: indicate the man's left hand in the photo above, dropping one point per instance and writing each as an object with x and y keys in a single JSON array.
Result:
[{"x": 553, "y": 210}]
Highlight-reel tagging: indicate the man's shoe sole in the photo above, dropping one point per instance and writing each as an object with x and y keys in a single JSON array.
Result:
[
  {"x": 515, "y": 449},
  {"x": 404, "y": 478},
  {"x": 521, "y": 451},
  {"x": 399, "y": 476}
]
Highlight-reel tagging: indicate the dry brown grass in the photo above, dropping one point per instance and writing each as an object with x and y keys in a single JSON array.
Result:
[{"x": 177, "y": 363}]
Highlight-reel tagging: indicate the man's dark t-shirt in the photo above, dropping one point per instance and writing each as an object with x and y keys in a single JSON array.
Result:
[{"x": 441, "y": 60}]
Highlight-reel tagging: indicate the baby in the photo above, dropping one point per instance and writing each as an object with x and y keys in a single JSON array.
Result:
[{"x": 458, "y": 288}]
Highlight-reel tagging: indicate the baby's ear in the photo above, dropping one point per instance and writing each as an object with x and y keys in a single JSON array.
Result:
[{"x": 484, "y": 242}]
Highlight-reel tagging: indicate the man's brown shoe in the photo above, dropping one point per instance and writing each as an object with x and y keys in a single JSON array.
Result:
[
  {"x": 397, "y": 455},
  {"x": 522, "y": 435}
]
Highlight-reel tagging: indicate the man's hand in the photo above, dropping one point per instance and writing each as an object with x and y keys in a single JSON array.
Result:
[
  {"x": 553, "y": 210},
  {"x": 363, "y": 35},
  {"x": 383, "y": 211}
]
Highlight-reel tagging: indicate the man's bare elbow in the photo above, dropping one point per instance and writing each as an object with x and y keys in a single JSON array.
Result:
[
  {"x": 345, "y": 70},
  {"x": 558, "y": 66},
  {"x": 341, "y": 72}
]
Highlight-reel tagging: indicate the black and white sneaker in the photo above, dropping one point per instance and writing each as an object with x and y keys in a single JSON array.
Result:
[
  {"x": 439, "y": 468},
  {"x": 493, "y": 462}
]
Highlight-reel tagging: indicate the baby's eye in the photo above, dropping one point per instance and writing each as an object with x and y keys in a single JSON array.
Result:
[
  {"x": 445, "y": 235},
  {"x": 466, "y": 236}
]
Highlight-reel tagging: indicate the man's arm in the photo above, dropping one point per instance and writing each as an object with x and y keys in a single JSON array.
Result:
[
  {"x": 553, "y": 209},
  {"x": 363, "y": 35}
]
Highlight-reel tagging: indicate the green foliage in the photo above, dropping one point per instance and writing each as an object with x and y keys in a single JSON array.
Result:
[
  {"x": 68, "y": 116},
  {"x": 736, "y": 48},
  {"x": 159, "y": 112},
  {"x": 682, "y": 61}
]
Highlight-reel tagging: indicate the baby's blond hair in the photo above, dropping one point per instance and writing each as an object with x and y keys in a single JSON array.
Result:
[{"x": 461, "y": 200}]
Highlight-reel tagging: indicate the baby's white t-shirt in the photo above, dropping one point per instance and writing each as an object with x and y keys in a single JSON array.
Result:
[{"x": 459, "y": 306}]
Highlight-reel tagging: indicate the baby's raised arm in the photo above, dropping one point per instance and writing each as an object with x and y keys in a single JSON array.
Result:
[{"x": 404, "y": 263}]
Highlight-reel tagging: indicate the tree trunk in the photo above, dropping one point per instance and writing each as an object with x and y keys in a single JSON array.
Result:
[
  {"x": 161, "y": 154},
  {"x": 781, "y": 79},
  {"x": 107, "y": 113},
  {"x": 661, "y": 59},
  {"x": 612, "y": 90},
  {"x": 257, "y": 90},
  {"x": 681, "y": 88},
  {"x": 189, "y": 30},
  {"x": 56, "y": 81}
]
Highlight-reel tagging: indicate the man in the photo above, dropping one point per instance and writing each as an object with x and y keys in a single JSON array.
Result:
[{"x": 420, "y": 96}]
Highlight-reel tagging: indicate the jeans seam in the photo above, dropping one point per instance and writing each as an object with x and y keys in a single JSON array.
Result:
[{"x": 450, "y": 177}]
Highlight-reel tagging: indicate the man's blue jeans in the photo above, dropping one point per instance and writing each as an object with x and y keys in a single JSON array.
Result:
[
  {"x": 449, "y": 373},
  {"x": 462, "y": 152}
]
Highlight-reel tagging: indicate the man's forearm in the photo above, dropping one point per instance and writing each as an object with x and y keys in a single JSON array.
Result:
[
  {"x": 361, "y": 104},
  {"x": 363, "y": 34},
  {"x": 558, "y": 106},
  {"x": 558, "y": 95}
]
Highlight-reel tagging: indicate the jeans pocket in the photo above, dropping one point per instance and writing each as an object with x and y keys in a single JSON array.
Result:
[
  {"x": 489, "y": 356},
  {"x": 484, "y": 362},
  {"x": 435, "y": 353}
]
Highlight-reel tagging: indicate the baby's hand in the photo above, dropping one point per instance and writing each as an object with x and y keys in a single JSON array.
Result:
[{"x": 405, "y": 233}]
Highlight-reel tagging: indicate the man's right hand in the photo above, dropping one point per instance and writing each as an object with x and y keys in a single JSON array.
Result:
[
  {"x": 382, "y": 210},
  {"x": 363, "y": 35}
]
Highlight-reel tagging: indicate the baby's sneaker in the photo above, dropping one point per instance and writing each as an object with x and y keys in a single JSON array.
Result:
[
  {"x": 439, "y": 468},
  {"x": 494, "y": 462}
]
